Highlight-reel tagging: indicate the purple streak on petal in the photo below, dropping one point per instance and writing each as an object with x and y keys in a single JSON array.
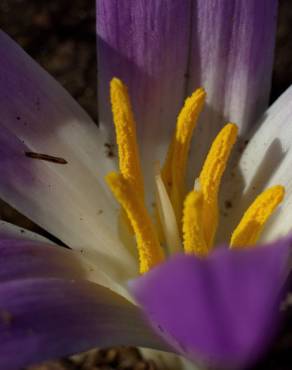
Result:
[
  {"x": 236, "y": 61},
  {"x": 232, "y": 57},
  {"x": 43, "y": 319},
  {"x": 221, "y": 310},
  {"x": 21, "y": 259},
  {"x": 145, "y": 43}
]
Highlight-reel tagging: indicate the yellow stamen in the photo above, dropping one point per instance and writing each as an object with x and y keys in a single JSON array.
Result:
[
  {"x": 174, "y": 169},
  {"x": 129, "y": 162},
  {"x": 211, "y": 175},
  {"x": 198, "y": 216},
  {"x": 252, "y": 223},
  {"x": 193, "y": 232},
  {"x": 150, "y": 252}
]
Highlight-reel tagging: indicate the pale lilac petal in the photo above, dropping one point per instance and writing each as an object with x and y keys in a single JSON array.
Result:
[
  {"x": 69, "y": 200},
  {"x": 145, "y": 43},
  {"x": 232, "y": 58},
  {"x": 42, "y": 319},
  {"x": 21, "y": 259},
  {"x": 221, "y": 310},
  {"x": 11, "y": 231}
]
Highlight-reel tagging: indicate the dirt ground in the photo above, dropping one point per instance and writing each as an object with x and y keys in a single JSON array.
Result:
[{"x": 60, "y": 35}]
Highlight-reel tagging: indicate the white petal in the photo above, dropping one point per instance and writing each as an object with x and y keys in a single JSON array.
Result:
[
  {"x": 269, "y": 144},
  {"x": 167, "y": 216},
  {"x": 281, "y": 222},
  {"x": 266, "y": 161},
  {"x": 68, "y": 200}
]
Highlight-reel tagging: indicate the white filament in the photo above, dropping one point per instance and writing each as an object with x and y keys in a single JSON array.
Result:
[{"x": 167, "y": 216}]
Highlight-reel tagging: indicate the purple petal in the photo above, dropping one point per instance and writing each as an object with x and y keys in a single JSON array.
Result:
[
  {"x": 163, "y": 50},
  {"x": 47, "y": 318},
  {"x": 232, "y": 57},
  {"x": 221, "y": 310},
  {"x": 145, "y": 43},
  {"x": 21, "y": 259}
]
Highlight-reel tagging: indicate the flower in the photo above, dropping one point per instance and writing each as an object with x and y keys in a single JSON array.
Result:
[{"x": 54, "y": 301}]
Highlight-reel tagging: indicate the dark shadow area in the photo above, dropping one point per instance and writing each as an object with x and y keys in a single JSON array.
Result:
[
  {"x": 282, "y": 72},
  {"x": 279, "y": 354},
  {"x": 60, "y": 35}
]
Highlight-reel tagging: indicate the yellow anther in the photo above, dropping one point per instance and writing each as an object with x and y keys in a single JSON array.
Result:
[
  {"x": 129, "y": 162},
  {"x": 211, "y": 175},
  {"x": 174, "y": 169},
  {"x": 150, "y": 252},
  {"x": 193, "y": 232},
  {"x": 252, "y": 223}
]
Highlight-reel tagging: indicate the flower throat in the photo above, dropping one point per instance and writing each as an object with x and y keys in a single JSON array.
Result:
[{"x": 187, "y": 220}]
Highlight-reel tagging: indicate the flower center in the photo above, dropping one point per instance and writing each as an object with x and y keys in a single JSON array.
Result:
[{"x": 192, "y": 218}]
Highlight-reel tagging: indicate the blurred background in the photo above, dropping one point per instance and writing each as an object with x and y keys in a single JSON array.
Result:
[{"x": 60, "y": 35}]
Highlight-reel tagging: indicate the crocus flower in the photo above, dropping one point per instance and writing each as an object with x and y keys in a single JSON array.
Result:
[{"x": 216, "y": 306}]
